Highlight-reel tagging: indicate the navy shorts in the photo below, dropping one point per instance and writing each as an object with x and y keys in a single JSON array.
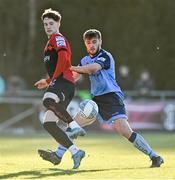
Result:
[
  {"x": 64, "y": 89},
  {"x": 111, "y": 107}
]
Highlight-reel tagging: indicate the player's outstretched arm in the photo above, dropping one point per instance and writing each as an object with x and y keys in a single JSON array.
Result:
[{"x": 87, "y": 69}]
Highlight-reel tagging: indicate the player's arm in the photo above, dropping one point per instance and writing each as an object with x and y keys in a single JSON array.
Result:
[
  {"x": 59, "y": 44},
  {"x": 87, "y": 69},
  {"x": 61, "y": 63},
  {"x": 76, "y": 76},
  {"x": 43, "y": 83}
]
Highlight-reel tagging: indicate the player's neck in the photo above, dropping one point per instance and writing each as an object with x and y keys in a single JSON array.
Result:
[
  {"x": 57, "y": 32},
  {"x": 94, "y": 55}
]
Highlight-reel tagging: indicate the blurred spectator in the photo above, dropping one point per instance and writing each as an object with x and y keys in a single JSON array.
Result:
[
  {"x": 2, "y": 86},
  {"x": 125, "y": 78},
  {"x": 145, "y": 83},
  {"x": 15, "y": 83}
]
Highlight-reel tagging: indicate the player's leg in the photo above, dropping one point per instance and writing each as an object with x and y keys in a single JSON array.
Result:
[
  {"x": 123, "y": 128},
  {"x": 55, "y": 156},
  {"x": 82, "y": 122},
  {"x": 48, "y": 155},
  {"x": 112, "y": 108},
  {"x": 61, "y": 137},
  {"x": 57, "y": 97}
]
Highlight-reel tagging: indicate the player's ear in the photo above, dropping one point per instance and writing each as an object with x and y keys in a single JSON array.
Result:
[
  {"x": 59, "y": 24},
  {"x": 100, "y": 41}
]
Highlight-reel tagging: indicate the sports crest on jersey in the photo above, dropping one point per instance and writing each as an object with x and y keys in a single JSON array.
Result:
[
  {"x": 60, "y": 41},
  {"x": 101, "y": 59},
  {"x": 46, "y": 58}
]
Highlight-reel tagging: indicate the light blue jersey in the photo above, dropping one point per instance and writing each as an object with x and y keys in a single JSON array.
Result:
[{"x": 103, "y": 81}]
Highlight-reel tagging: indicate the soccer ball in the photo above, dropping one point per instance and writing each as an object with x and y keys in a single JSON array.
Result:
[{"x": 88, "y": 109}]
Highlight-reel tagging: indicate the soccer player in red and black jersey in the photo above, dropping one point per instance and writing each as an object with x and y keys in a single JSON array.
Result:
[{"x": 59, "y": 86}]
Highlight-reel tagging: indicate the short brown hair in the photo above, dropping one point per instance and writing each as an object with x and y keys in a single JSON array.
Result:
[
  {"x": 50, "y": 13},
  {"x": 91, "y": 33}
]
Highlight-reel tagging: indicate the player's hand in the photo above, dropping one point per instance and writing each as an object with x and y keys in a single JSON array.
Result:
[
  {"x": 75, "y": 68},
  {"x": 41, "y": 84},
  {"x": 72, "y": 68},
  {"x": 76, "y": 76}
]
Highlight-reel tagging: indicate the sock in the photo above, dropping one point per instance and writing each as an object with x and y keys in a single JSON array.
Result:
[
  {"x": 58, "y": 134},
  {"x": 139, "y": 142},
  {"x": 61, "y": 151},
  {"x": 62, "y": 114},
  {"x": 73, "y": 149},
  {"x": 74, "y": 124}
]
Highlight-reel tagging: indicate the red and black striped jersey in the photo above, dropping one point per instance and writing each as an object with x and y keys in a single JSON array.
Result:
[{"x": 57, "y": 58}]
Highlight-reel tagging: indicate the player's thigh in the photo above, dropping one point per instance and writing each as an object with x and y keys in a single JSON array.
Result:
[
  {"x": 62, "y": 91},
  {"x": 110, "y": 106},
  {"x": 123, "y": 128},
  {"x": 83, "y": 121}
]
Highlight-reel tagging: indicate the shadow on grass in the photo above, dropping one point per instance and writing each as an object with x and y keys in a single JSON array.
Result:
[{"x": 56, "y": 172}]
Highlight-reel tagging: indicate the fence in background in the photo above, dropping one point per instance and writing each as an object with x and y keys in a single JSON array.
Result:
[{"x": 155, "y": 111}]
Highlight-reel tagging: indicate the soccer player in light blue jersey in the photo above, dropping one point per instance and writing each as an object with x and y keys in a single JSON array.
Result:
[{"x": 100, "y": 66}]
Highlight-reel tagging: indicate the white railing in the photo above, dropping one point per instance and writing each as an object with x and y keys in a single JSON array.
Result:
[{"x": 34, "y": 98}]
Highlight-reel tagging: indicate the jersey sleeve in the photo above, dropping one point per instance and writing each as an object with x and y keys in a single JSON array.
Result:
[
  {"x": 104, "y": 61},
  {"x": 83, "y": 61},
  {"x": 80, "y": 64},
  {"x": 59, "y": 42},
  {"x": 61, "y": 64}
]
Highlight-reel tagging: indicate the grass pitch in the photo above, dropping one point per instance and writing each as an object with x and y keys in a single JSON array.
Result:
[{"x": 108, "y": 156}]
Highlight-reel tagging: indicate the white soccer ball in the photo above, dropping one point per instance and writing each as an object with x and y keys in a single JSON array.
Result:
[{"x": 88, "y": 109}]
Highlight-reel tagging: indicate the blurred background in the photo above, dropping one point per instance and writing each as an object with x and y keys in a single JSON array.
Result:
[{"x": 139, "y": 34}]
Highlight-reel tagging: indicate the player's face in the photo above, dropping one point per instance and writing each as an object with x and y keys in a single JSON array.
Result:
[
  {"x": 93, "y": 45},
  {"x": 50, "y": 26}
]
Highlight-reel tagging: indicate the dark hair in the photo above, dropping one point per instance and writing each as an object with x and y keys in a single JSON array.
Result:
[
  {"x": 50, "y": 13},
  {"x": 91, "y": 33}
]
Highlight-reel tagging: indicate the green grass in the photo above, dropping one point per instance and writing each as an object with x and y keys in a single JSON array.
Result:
[{"x": 108, "y": 156}]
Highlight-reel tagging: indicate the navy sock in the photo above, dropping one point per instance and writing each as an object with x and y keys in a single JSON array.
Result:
[
  {"x": 132, "y": 137},
  {"x": 58, "y": 134}
]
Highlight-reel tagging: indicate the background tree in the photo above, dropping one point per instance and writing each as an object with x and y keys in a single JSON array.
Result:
[{"x": 139, "y": 33}]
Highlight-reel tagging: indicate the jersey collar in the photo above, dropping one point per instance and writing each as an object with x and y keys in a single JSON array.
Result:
[{"x": 96, "y": 54}]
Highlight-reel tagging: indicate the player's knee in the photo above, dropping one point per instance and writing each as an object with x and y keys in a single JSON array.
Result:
[
  {"x": 48, "y": 102},
  {"x": 50, "y": 99},
  {"x": 49, "y": 116},
  {"x": 123, "y": 128},
  {"x": 82, "y": 121}
]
